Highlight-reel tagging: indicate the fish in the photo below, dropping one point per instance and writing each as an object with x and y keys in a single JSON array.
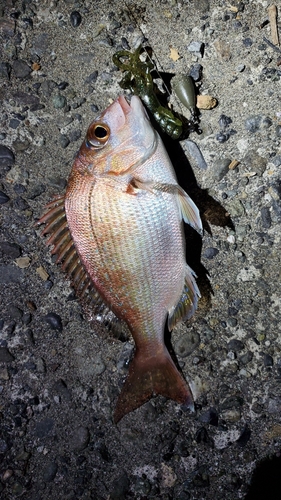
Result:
[{"x": 118, "y": 233}]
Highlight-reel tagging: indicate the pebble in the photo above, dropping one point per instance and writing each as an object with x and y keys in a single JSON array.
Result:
[
  {"x": 196, "y": 154},
  {"x": 202, "y": 436},
  {"x": 5, "y": 355},
  {"x": 232, "y": 415},
  {"x": 235, "y": 345},
  {"x": 265, "y": 217},
  {"x": 255, "y": 162},
  {"x": 220, "y": 168},
  {"x": 75, "y": 19},
  {"x": 196, "y": 72},
  {"x": 244, "y": 436},
  {"x": 15, "y": 313},
  {"x": 7, "y": 157},
  {"x": 59, "y": 101},
  {"x": 187, "y": 343},
  {"x": 74, "y": 135},
  {"x": 210, "y": 252},
  {"x": 4, "y": 198},
  {"x": 80, "y": 439},
  {"x": 120, "y": 487},
  {"x": 54, "y": 321},
  {"x": 44, "y": 427},
  {"x": 50, "y": 471},
  {"x": 92, "y": 78},
  {"x": 36, "y": 190},
  {"x": 5, "y": 70},
  {"x": 210, "y": 417},
  {"x": 246, "y": 358},
  {"x": 10, "y": 274},
  {"x": 20, "y": 204},
  {"x": 11, "y": 249},
  {"x": 25, "y": 99},
  {"x": 60, "y": 388},
  {"x": 64, "y": 141},
  {"x": 21, "y": 69},
  {"x": 267, "y": 360},
  {"x": 222, "y": 137},
  {"x": 224, "y": 121},
  {"x": 197, "y": 48}
]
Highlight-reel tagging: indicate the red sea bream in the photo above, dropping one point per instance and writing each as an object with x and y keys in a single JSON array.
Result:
[{"x": 118, "y": 232}]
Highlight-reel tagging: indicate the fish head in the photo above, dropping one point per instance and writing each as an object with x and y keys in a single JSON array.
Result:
[{"x": 118, "y": 141}]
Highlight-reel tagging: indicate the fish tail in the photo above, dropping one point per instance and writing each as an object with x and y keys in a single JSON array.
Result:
[{"x": 148, "y": 376}]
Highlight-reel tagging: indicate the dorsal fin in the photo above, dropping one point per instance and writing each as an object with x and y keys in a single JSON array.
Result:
[
  {"x": 59, "y": 236},
  {"x": 187, "y": 304}
]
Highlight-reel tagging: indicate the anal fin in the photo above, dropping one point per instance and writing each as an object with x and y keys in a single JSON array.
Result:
[{"x": 187, "y": 304}]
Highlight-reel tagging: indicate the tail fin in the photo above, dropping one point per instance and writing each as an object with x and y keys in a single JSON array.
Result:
[{"x": 148, "y": 376}]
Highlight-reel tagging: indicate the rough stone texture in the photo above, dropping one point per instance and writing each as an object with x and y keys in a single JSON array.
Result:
[{"x": 59, "y": 380}]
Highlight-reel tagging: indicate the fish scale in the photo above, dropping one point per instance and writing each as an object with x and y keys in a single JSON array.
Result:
[{"x": 124, "y": 211}]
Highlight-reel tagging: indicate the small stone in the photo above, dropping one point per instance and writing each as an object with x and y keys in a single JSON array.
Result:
[
  {"x": 247, "y": 42},
  {"x": 54, "y": 321},
  {"x": 64, "y": 141},
  {"x": 240, "y": 68},
  {"x": 206, "y": 102},
  {"x": 15, "y": 313},
  {"x": 197, "y": 48},
  {"x": 222, "y": 137},
  {"x": 187, "y": 343},
  {"x": 196, "y": 72},
  {"x": 210, "y": 252},
  {"x": 44, "y": 427},
  {"x": 11, "y": 249},
  {"x": 75, "y": 19},
  {"x": 80, "y": 439},
  {"x": 5, "y": 70},
  {"x": 210, "y": 417},
  {"x": 252, "y": 123},
  {"x": 246, "y": 358},
  {"x": 50, "y": 471},
  {"x": 74, "y": 135},
  {"x": 235, "y": 345},
  {"x": 224, "y": 121},
  {"x": 23, "y": 262},
  {"x": 5, "y": 355},
  {"x": 59, "y": 101},
  {"x": 36, "y": 190},
  {"x": 202, "y": 436},
  {"x": 21, "y": 69},
  {"x": 233, "y": 415},
  {"x": 60, "y": 389},
  {"x": 235, "y": 208},
  {"x": 267, "y": 360},
  {"x": 265, "y": 217},
  {"x": 120, "y": 487},
  {"x": 276, "y": 161},
  {"x": 7, "y": 158},
  {"x": 92, "y": 78},
  {"x": 4, "y": 198},
  {"x": 10, "y": 274}
]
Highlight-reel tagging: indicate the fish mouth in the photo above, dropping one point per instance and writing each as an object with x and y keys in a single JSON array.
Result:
[{"x": 125, "y": 105}]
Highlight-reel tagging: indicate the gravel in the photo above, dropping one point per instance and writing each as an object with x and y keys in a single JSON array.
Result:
[{"x": 60, "y": 374}]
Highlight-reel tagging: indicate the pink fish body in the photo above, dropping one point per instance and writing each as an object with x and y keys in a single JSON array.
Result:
[{"x": 124, "y": 211}]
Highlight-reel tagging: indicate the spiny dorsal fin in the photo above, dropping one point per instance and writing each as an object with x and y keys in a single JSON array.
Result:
[
  {"x": 187, "y": 304},
  {"x": 59, "y": 236}
]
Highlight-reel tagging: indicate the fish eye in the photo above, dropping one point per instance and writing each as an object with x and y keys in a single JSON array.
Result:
[{"x": 97, "y": 135}]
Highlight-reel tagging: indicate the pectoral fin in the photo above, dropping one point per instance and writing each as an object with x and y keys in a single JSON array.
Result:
[
  {"x": 188, "y": 210},
  {"x": 187, "y": 304}
]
